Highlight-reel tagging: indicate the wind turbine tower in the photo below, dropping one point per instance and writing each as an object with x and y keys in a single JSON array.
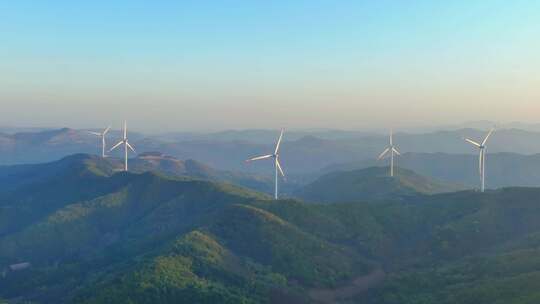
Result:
[
  {"x": 391, "y": 149},
  {"x": 481, "y": 158},
  {"x": 277, "y": 165},
  {"x": 124, "y": 141},
  {"x": 102, "y": 135}
]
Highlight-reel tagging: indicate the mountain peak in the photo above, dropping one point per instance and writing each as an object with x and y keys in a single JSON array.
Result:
[{"x": 373, "y": 183}]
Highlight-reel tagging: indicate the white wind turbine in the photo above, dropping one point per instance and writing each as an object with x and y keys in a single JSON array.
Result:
[
  {"x": 390, "y": 149},
  {"x": 277, "y": 165},
  {"x": 481, "y": 158},
  {"x": 102, "y": 135},
  {"x": 126, "y": 144}
]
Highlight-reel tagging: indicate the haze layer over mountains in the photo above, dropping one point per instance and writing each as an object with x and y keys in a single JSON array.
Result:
[{"x": 443, "y": 155}]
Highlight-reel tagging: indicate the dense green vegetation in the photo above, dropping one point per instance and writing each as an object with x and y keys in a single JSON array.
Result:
[
  {"x": 13, "y": 176},
  {"x": 501, "y": 278},
  {"x": 371, "y": 184},
  {"x": 94, "y": 236},
  {"x": 196, "y": 269}
]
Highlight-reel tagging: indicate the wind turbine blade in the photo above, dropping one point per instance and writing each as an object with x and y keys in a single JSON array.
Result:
[
  {"x": 279, "y": 168},
  {"x": 487, "y": 136},
  {"x": 130, "y": 147},
  {"x": 106, "y": 130},
  {"x": 260, "y": 157},
  {"x": 116, "y": 146},
  {"x": 396, "y": 151},
  {"x": 391, "y": 137},
  {"x": 125, "y": 129},
  {"x": 472, "y": 142},
  {"x": 278, "y": 142},
  {"x": 94, "y": 133},
  {"x": 383, "y": 153}
]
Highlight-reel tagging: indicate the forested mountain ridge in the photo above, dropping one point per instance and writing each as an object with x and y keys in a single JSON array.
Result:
[
  {"x": 93, "y": 237},
  {"x": 370, "y": 184}
]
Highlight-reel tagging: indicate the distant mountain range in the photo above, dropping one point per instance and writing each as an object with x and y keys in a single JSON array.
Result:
[
  {"x": 79, "y": 232},
  {"x": 304, "y": 159},
  {"x": 371, "y": 184},
  {"x": 49, "y": 145},
  {"x": 502, "y": 169},
  {"x": 485, "y": 125},
  {"x": 310, "y": 153},
  {"x": 144, "y": 162},
  {"x": 300, "y": 154}
]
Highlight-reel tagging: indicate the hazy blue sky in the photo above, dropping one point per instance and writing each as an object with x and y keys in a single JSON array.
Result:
[{"x": 185, "y": 65}]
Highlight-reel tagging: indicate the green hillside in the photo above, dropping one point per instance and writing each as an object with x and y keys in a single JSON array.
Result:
[
  {"x": 125, "y": 233},
  {"x": 171, "y": 166},
  {"x": 371, "y": 184},
  {"x": 511, "y": 277},
  {"x": 148, "y": 238},
  {"x": 503, "y": 169},
  {"x": 13, "y": 176}
]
